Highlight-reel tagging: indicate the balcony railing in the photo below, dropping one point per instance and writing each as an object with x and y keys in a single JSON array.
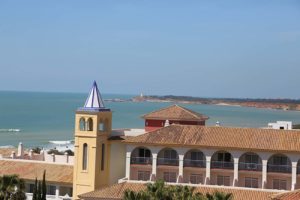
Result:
[
  {"x": 221, "y": 165},
  {"x": 279, "y": 168},
  {"x": 250, "y": 166},
  {"x": 141, "y": 160},
  {"x": 194, "y": 163},
  {"x": 167, "y": 161}
]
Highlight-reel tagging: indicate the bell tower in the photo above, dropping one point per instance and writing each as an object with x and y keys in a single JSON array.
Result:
[{"x": 93, "y": 124}]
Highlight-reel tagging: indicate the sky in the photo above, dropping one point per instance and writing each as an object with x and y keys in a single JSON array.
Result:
[{"x": 239, "y": 49}]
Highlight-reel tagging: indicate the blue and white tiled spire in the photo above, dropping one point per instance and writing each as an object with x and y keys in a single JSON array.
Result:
[{"x": 94, "y": 101}]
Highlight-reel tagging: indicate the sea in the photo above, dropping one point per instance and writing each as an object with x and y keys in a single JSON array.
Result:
[{"x": 40, "y": 119}]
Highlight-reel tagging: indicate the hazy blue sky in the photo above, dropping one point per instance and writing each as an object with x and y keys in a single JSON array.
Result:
[{"x": 199, "y": 48}]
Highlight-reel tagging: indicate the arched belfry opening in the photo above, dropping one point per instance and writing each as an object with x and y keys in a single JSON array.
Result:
[
  {"x": 90, "y": 124},
  {"x": 82, "y": 124},
  {"x": 101, "y": 126}
]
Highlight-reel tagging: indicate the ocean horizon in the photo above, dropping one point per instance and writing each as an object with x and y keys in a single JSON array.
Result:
[{"x": 37, "y": 118}]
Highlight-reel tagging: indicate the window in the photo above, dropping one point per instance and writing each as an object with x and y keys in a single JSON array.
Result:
[
  {"x": 143, "y": 175},
  {"x": 224, "y": 157},
  {"x": 279, "y": 184},
  {"x": 31, "y": 188},
  {"x": 251, "y": 182},
  {"x": 102, "y": 157},
  {"x": 63, "y": 190},
  {"x": 170, "y": 154},
  {"x": 223, "y": 180},
  {"x": 196, "y": 178},
  {"x": 90, "y": 124},
  {"x": 251, "y": 158},
  {"x": 144, "y": 153},
  {"x": 170, "y": 177},
  {"x": 280, "y": 160},
  {"x": 196, "y": 155},
  {"x": 101, "y": 126},
  {"x": 82, "y": 124},
  {"x": 84, "y": 156},
  {"x": 51, "y": 189}
]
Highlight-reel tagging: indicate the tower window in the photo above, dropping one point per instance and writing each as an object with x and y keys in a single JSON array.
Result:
[
  {"x": 82, "y": 124},
  {"x": 102, "y": 157},
  {"x": 101, "y": 126},
  {"x": 90, "y": 124},
  {"x": 84, "y": 156}
]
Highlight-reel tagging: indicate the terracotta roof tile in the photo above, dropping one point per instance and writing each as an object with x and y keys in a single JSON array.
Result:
[
  {"x": 228, "y": 137},
  {"x": 291, "y": 195},
  {"x": 31, "y": 170},
  {"x": 5, "y": 152},
  {"x": 175, "y": 112},
  {"x": 117, "y": 191}
]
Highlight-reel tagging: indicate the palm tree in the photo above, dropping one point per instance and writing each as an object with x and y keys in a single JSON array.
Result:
[
  {"x": 185, "y": 193},
  {"x": 219, "y": 196},
  {"x": 19, "y": 194},
  {"x": 11, "y": 186},
  {"x": 159, "y": 191},
  {"x": 131, "y": 195}
]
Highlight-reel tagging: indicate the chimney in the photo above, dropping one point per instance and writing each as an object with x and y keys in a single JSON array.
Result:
[
  {"x": 20, "y": 150},
  {"x": 167, "y": 123}
]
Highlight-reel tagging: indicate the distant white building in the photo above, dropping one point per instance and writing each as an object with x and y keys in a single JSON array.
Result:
[{"x": 286, "y": 125}]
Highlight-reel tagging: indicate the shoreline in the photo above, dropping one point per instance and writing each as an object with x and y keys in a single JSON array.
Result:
[{"x": 260, "y": 104}]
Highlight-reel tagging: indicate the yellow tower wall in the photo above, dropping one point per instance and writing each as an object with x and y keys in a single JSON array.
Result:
[{"x": 93, "y": 177}]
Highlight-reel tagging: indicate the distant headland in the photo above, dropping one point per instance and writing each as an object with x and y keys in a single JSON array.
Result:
[{"x": 279, "y": 104}]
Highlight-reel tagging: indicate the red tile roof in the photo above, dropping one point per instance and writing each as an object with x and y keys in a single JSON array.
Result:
[
  {"x": 291, "y": 195},
  {"x": 175, "y": 112},
  {"x": 220, "y": 137},
  {"x": 30, "y": 170},
  {"x": 116, "y": 191}
]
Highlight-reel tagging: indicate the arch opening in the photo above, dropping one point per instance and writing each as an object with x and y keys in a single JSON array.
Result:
[
  {"x": 279, "y": 163},
  {"x": 250, "y": 162},
  {"x": 168, "y": 156},
  {"x": 222, "y": 160},
  {"x": 194, "y": 158},
  {"x": 90, "y": 124},
  {"x": 82, "y": 124},
  {"x": 141, "y": 155}
]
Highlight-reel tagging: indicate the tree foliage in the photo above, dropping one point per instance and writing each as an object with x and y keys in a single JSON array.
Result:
[
  {"x": 40, "y": 189},
  {"x": 44, "y": 186},
  {"x": 12, "y": 188},
  {"x": 160, "y": 191}
]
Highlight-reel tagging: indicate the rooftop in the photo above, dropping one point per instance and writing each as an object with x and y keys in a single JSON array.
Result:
[
  {"x": 229, "y": 137},
  {"x": 290, "y": 195},
  {"x": 5, "y": 152},
  {"x": 29, "y": 170},
  {"x": 175, "y": 112},
  {"x": 116, "y": 191}
]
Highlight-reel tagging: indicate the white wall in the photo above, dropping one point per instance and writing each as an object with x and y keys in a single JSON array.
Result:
[
  {"x": 117, "y": 162},
  {"x": 287, "y": 125}
]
